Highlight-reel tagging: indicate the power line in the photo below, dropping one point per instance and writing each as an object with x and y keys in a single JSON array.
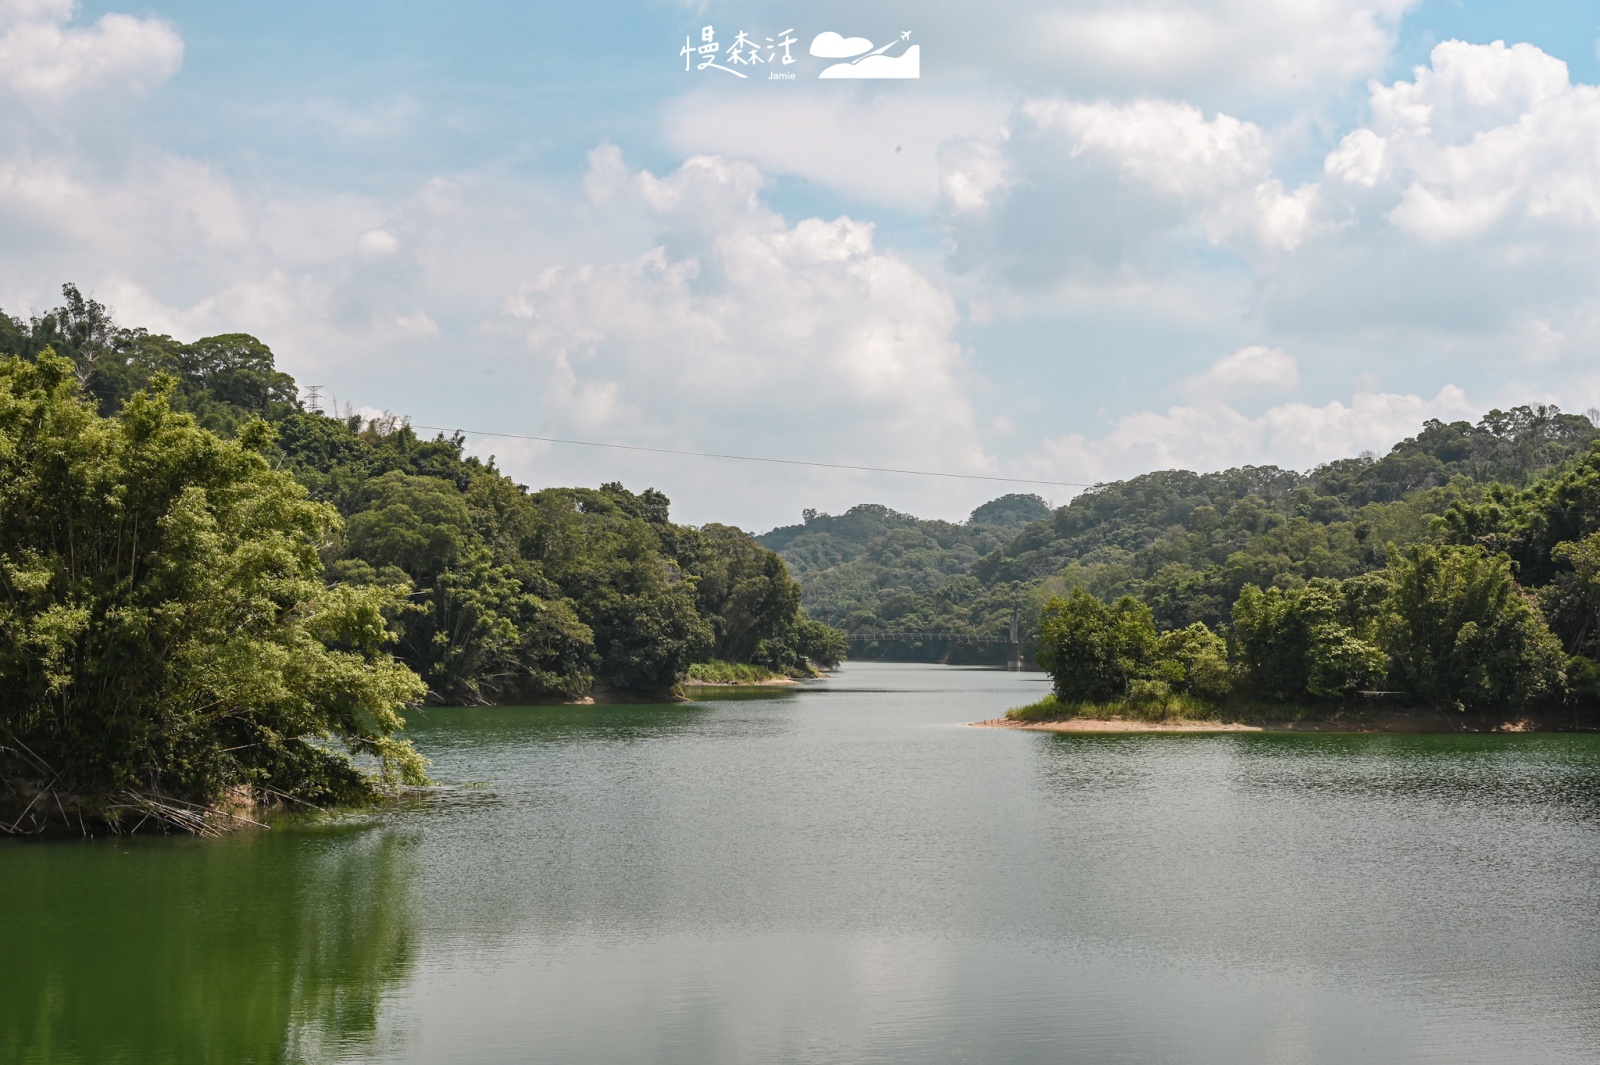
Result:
[{"x": 758, "y": 458}]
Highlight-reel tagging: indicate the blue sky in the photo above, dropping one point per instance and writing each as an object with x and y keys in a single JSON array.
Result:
[{"x": 1092, "y": 239}]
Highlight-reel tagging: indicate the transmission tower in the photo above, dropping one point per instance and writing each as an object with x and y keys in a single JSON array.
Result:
[{"x": 314, "y": 398}]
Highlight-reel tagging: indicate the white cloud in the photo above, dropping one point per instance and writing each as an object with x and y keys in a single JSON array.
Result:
[
  {"x": 1462, "y": 215},
  {"x": 1181, "y": 45},
  {"x": 680, "y": 309},
  {"x": 43, "y": 56},
  {"x": 1216, "y": 51},
  {"x": 377, "y": 243},
  {"x": 1490, "y": 135},
  {"x": 1253, "y": 368},
  {"x": 1086, "y": 189},
  {"x": 1359, "y": 159},
  {"x": 1470, "y": 204},
  {"x": 1213, "y": 435},
  {"x": 1468, "y": 88},
  {"x": 879, "y": 148},
  {"x": 719, "y": 335}
]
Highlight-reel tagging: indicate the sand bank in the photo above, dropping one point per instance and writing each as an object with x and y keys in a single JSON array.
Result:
[{"x": 1084, "y": 724}]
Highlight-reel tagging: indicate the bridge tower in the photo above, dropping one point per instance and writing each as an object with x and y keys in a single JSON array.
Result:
[{"x": 1016, "y": 643}]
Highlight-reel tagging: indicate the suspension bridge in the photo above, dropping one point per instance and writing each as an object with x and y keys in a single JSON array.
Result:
[{"x": 1014, "y": 639}]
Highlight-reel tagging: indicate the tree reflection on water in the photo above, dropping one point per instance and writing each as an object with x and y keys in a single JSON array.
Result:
[{"x": 275, "y": 947}]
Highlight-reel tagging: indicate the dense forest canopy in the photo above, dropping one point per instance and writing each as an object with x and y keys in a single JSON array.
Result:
[
  {"x": 1259, "y": 557},
  {"x": 201, "y": 580},
  {"x": 165, "y": 627}
]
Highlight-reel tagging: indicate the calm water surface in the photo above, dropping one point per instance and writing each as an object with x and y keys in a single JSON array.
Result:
[{"x": 846, "y": 873}]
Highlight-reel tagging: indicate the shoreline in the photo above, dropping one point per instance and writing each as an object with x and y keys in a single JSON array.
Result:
[
  {"x": 1087, "y": 724},
  {"x": 769, "y": 682},
  {"x": 1382, "y": 725}
]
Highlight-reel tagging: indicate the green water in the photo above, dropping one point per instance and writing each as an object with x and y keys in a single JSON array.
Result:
[{"x": 847, "y": 874}]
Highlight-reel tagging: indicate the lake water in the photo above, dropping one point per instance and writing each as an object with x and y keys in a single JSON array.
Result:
[{"x": 847, "y": 873}]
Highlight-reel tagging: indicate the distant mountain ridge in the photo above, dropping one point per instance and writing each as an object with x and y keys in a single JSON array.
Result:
[{"x": 1184, "y": 542}]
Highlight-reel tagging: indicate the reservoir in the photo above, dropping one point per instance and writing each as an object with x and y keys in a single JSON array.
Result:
[{"x": 845, "y": 872}]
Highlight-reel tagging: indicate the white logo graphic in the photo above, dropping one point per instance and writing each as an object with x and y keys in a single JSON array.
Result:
[
  {"x": 897, "y": 59},
  {"x": 743, "y": 51}
]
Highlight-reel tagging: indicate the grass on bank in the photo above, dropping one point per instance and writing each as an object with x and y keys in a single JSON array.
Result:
[
  {"x": 1161, "y": 708},
  {"x": 728, "y": 673}
]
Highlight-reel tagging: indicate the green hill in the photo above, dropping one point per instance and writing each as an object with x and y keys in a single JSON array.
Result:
[
  {"x": 516, "y": 594},
  {"x": 1183, "y": 542}
]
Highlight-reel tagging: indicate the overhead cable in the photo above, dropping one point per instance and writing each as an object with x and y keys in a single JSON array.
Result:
[{"x": 757, "y": 458}]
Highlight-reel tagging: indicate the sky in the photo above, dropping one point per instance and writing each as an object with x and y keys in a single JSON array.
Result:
[{"x": 1091, "y": 239}]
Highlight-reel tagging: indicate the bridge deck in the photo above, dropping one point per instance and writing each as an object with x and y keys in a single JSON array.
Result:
[{"x": 957, "y": 637}]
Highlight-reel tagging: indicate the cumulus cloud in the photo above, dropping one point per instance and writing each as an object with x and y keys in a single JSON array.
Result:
[
  {"x": 882, "y": 149},
  {"x": 1469, "y": 204},
  {"x": 1213, "y": 435},
  {"x": 1205, "y": 50},
  {"x": 1099, "y": 188},
  {"x": 1253, "y": 368},
  {"x": 1466, "y": 206},
  {"x": 377, "y": 243},
  {"x": 43, "y": 56},
  {"x": 1489, "y": 135},
  {"x": 1197, "y": 47},
  {"x": 714, "y": 333}
]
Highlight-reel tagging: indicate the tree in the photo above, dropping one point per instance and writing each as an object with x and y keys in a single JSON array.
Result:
[
  {"x": 744, "y": 590},
  {"x": 1093, "y": 651},
  {"x": 1462, "y": 634},
  {"x": 812, "y": 641},
  {"x": 1296, "y": 643},
  {"x": 513, "y": 595},
  {"x": 164, "y": 625},
  {"x": 478, "y": 633},
  {"x": 1194, "y": 659}
]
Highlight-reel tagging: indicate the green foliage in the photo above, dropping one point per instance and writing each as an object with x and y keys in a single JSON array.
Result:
[
  {"x": 1461, "y": 633},
  {"x": 1047, "y": 709},
  {"x": 810, "y": 641},
  {"x": 1449, "y": 625},
  {"x": 1194, "y": 660},
  {"x": 1302, "y": 643},
  {"x": 728, "y": 673},
  {"x": 873, "y": 563},
  {"x": 1100, "y": 655},
  {"x": 1547, "y": 530},
  {"x": 1010, "y": 511},
  {"x": 224, "y": 381},
  {"x": 500, "y": 594},
  {"x": 1154, "y": 707},
  {"x": 164, "y": 624},
  {"x": 476, "y": 634},
  {"x": 1096, "y": 652},
  {"x": 1187, "y": 544},
  {"x": 745, "y": 590}
]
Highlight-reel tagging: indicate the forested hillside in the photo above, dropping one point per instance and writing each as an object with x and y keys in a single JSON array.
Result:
[
  {"x": 513, "y": 594},
  {"x": 872, "y": 558},
  {"x": 1185, "y": 544},
  {"x": 205, "y": 587}
]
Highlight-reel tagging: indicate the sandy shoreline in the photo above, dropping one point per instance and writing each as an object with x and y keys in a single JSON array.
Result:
[{"x": 1083, "y": 724}]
